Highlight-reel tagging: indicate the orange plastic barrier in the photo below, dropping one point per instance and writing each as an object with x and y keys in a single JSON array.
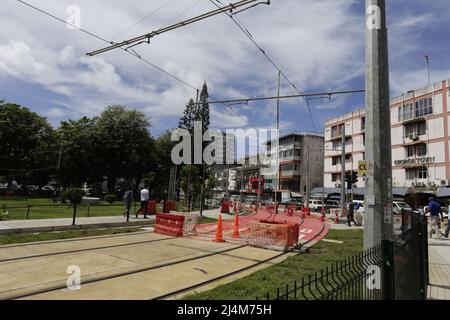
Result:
[
  {"x": 225, "y": 207},
  {"x": 169, "y": 224},
  {"x": 170, "y": 205},
  {"x": 283, "y": 231},
  {"x": 151, "y": 208}
]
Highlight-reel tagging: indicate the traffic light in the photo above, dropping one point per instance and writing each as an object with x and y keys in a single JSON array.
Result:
[{"x": 351, "y": 178}]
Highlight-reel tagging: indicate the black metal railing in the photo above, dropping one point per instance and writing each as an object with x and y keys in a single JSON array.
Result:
[
  {"x": 355, "y": 278},
  {"x": 395, "y": 269}
]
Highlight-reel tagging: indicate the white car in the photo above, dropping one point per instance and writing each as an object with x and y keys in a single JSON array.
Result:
[
  {"x": 399, "y": 205},
  {"x": 315, "y": 205}
]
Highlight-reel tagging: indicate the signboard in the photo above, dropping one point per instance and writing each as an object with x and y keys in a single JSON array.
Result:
[
  {"x": 388, "y": 214},
  {"x": 420, "y": 160},
  {"x": 365, "y": 169},
  {"x": 370, "y": 200}
]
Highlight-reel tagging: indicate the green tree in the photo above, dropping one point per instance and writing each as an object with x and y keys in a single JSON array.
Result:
[
  {"x": 79, "y": 160},
  {"x": 27, "y": 144},
  {"x": 126, "y": 146}
]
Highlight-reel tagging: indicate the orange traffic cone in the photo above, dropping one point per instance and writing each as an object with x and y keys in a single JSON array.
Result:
[
  {"x": 219, "y": 235},
  {"x": 236, "y": 227},
  {"x": 336, "y": 221}
]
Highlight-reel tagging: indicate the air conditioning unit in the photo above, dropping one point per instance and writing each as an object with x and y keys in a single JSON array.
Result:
[{"x": 414, "y": 136}]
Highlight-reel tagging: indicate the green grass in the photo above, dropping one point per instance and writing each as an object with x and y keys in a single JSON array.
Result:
[
  {"x": 45, "y": 236},
  {"x": 23, "y": 208},
  {"x": 293, "y": 268}
]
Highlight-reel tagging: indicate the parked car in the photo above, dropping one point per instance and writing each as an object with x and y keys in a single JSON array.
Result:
[
  {"x": 48, "y": 188},
  {"x": 315, "y": 205},
  {"x": 399, "y": 205}
]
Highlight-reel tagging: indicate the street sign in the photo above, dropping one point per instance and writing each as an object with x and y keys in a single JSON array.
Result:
[{"x": 365, "y": 169}]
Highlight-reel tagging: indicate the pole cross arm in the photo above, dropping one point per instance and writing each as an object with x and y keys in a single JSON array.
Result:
[{"x": 146, "y": 37}]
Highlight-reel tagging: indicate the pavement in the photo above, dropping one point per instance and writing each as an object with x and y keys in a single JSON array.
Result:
[
  {"x": 152, "y": 265},
  {"x": 49, "y": 225},
  {"x": 45, "y": 225},
  {"x": 439, "y": 268}
]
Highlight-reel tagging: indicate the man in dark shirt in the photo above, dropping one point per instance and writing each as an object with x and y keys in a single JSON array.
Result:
[{"x": 435, "y": 212}]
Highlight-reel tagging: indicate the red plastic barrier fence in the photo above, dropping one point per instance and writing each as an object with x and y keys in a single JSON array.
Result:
[
  {"x": 169, "y": 206},
  {"x": 169, "y": 224},
  {"x": 225, "y": 207},
  {"x": 290, "y": 236},
  {"x": 151, "y": 208}
]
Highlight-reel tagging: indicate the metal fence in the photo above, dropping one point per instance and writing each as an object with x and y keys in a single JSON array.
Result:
[
  {"x": 355, "y": 278},
  {"x": 392, "y": 270}
]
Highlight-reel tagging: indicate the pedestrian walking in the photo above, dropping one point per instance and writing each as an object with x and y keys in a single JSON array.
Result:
[
  {"x": 351, "y": 213},
  {"x": 127, "y": 202},
  {"x": 435, "y": 212},
  {"x": 145, "y": 197}
]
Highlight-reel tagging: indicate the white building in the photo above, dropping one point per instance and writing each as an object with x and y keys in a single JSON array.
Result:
[{"x": 420, "y": 126}]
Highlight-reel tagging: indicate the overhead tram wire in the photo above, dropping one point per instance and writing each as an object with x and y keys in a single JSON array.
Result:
[
  {"x": 148, "y": 15},
  {"x": 134, "y": 54},
  {"x": 146, "y": 37},
  {"x": 303, "y": 95},
  {"x": 264, "y": 52}
]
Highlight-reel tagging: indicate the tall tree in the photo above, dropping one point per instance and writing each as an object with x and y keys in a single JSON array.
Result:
[
  {"x": 190, "y": 114},
  {"x": 203, "y": 111},
  {"x": 126, "y": 144},
  {"x": 79, "y": 158},
  {"x": 27, "y": 144}
]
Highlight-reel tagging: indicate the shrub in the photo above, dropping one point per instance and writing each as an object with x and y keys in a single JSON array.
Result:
[
  {"x": 110, "y": 198},
  {"x": 75, "y": 196}
]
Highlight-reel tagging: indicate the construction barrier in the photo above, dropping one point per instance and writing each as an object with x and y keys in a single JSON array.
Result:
[
  {"x": 190, "y": 224},
  {"x": 170, "y": 224},
  {"x": 274, "y": 235},
  {"x": 169, "y": 206},
  {"x": 151, "y": 208},
  {"x": 225, "y": 207}
]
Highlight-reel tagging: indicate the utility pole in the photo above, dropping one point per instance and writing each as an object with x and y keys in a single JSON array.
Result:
[
  {"x": 307, "y": 175},
  {"x": 378, "y": 223},
  {"x": 427, "y": 58},
  {"x": 193, "y": 157},
  {"x": 343, "y": 189},
  {"x": 278, "y": 176}
]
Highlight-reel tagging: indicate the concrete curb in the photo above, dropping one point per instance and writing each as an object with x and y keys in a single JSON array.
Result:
[{"x": 76, "y": 227}]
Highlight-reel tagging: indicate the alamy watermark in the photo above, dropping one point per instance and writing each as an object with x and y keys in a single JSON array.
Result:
[
  {"x": 233, "y": 146},
  {"x": 74, "y": 280},
  {"x": 74, "y": 19},
  {"x": 373, "y": 17}
]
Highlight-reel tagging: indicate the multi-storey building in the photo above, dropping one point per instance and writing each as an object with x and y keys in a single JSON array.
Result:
[
  {"x": 420, "y": 126},
  {"x": 301, "y": 162}
]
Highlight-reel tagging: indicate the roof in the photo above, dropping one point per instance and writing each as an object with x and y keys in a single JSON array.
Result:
[
  {"x": 361, "y": 191},
  {"x": 443, "y": 192}
]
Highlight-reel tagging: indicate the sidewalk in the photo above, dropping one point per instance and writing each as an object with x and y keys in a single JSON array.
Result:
[
  {"x": 48, "y": 225},
  {"x": 439, "y": 262}
]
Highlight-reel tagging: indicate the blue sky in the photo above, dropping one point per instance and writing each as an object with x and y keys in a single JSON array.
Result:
[{"x": 318, "y": 44}]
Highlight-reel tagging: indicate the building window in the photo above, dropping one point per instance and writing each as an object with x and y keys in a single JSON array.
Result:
[
  {"x": 416, "y": 173},
  {"x": 335, "y": 145},
  {"x": 335, "y": 177},
  {"x": 424, "y": 107},
  {"x": 419, "y": 128},
  {"x": 334, "y": 161},
  {"x": 399, "y": 114},
  {"x": 418, "y": 150},
  {"x": 408, "y": 111},
  {"x": 363, "y": 124}
]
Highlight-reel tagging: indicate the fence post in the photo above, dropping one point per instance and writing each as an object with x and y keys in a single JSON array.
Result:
[
  {"x": 388, "y": 274},
  {"x": 88, "y": 209},
  {"x": 28, "y": 212},
  {"x": 74, "y": 213},
  {"x": 423, "y": 257}
]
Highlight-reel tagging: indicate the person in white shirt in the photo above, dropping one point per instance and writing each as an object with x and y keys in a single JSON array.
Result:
[{"x": 145, "y": 197}]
